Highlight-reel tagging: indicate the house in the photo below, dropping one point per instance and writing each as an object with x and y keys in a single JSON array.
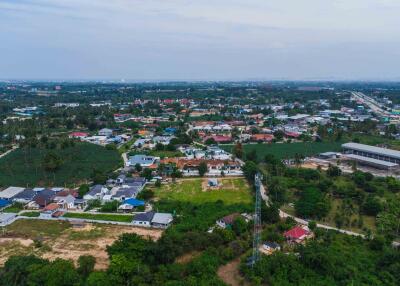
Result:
[
  {"x": 78, "y": 135},
  {"x": 65, "y": 201},
  {"x": 125, "y": 193},
  {"x": 10, "y": 192},
  {"x": 49, "y": 211},
  {"x": 4, "y": 203},
  {"x": 143, "y": 219},
  {"x": 25, "y": 196},
  {"x": 270, "y": 247},
  {"x": 228, "y": 220},
  {"x": 142, "y": 160},
  {"x": 297, "y": 234},
  {"x": 106, "y": 132},
  {"x": 7, "y": 218},
  {"x": 96, "y": 192},
  {"x": 130, "y": 204},
  {"x": 42, "y": 199},
  {"x": 213, "y": 183},
  {"x": 262, "y": 137},
  {"x": 161, "y": 220}
]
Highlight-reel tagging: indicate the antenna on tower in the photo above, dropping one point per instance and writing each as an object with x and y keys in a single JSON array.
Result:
[{"x": 257, "y": 221}]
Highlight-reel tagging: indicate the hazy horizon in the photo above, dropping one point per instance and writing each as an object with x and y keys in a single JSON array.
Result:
[{"x": 236, "y": 40}]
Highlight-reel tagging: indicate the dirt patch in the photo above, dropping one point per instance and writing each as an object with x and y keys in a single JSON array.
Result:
[
  {"x": 23, "y": 242},
  {"x": 230, "y": 274},
  {"x": 92, "y": 239},
  {"x": 186, "y": 258}
]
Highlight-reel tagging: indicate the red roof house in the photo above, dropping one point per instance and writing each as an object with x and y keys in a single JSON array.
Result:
[{"x": 297, "y": 234}]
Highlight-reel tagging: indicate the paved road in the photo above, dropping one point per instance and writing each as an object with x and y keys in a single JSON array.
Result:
[{"x": 9, "y": 151}]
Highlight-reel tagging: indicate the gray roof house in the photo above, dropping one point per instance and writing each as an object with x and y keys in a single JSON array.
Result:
[
  {"x": 95, "y": 192},
  {"x": 143, "y": 219},
  {"x": 10, "y": 192},
  {"x": 162, "y": 220},
  {"x": 106, "y": 132},
  {"x": 25, "y": 196},
  {"x": 126, "y": 193}
]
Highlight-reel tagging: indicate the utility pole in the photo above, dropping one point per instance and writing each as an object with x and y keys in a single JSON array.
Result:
[{"x": 257, "y": 222}]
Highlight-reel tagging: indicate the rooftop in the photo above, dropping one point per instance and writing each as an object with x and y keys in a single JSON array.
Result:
[{"x": 372, "y": 149}]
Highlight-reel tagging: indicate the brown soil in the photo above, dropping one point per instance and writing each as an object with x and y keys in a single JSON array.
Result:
[
  {"x": 74, "y": 242},
  {"x": 230, "y": 274},
  {"x": 188, "y": 257}
]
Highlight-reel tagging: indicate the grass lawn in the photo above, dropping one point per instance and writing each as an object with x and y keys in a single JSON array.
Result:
[
  {"x": 232, "y": 191},
  {"x": 108, "y": 217},
  {"x": 37, "y": 228},
  {"x": 23, "y": 167},
  {"x": 288, "y": 150},
  {"x": 14, "y": 208},
  {"x": 31, "y": 214}
]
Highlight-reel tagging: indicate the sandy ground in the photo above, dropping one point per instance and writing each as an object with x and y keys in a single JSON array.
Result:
[
  {"x": 74, "y": 242},
  {"x": 230, "y": 274},
  {"x": 188, "y": 257}
]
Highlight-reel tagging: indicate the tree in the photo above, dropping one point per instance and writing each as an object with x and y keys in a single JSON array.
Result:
[
  {"x": 277, "y": 191},
  {"x": 239, "y": 226},
  {"x": 250, "y": 169},
  {"x": 333, "y": 171},
  {"x": 252, "y": 155},
  {"x": 83, "y": 190},
  {"x": 147, "y": 173},
  {"x": 210, "y": 141},
  {"x": 372, "y": 206},
  {"x": 238, "y": 150},
  {"x": 203, "y": 168},
  {"x": 138, "y": 167},
  {"x": 86, "y": 265},
  {"x": 312, "y": 204},
  {"x": 59, "y": 272},
  {"x": 51, "y": 162}
]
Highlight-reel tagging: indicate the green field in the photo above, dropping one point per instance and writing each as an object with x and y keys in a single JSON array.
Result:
[
  {"x": 24, "y": 167},
  {"x": 37, "y": 228},
  {"x": 108, "y": 217},
  {"x": 288, "y": 150},
  {"x": 232, "y": 191}
]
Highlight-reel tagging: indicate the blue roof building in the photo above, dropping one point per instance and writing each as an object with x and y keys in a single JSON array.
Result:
[{"x": 134, "y": 202}]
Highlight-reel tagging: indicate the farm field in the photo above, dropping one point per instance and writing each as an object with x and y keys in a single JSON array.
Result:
[
  {"x": 54, "y": 239},
  {"x": 24, "y": 167},
  {"x": 231, "y": 191},
  {"x": 288, "y": 150}
]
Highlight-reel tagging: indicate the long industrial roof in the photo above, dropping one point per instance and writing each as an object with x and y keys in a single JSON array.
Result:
[
  {"x": 371, "y": 160},
  {"x": 372, "y": 149}
]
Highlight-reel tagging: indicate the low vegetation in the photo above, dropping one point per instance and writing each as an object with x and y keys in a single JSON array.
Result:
[{"x": 39, "y": 166}]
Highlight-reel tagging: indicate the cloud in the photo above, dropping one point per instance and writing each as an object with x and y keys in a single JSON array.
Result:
[{"x": 202, "y": 39}]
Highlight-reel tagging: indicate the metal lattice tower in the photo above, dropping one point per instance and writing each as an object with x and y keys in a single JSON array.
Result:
[{"x": 257, "y": 222}]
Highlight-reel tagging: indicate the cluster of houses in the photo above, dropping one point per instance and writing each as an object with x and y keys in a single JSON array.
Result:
[
  {"x": 104, "y": 136},
  {"x": 218, "y": 161},
  {"x": 123, "y": 189},
  {"x": 38, "y": 198}
]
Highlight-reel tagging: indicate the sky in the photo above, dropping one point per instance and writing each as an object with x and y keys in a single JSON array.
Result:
[{"x": 200, "y": 39}]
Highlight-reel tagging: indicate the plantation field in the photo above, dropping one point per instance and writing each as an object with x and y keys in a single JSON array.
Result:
[
  {"x": 24, "y": 167},
  {"x": 288, "y": 150},
  {"x": 231, "y": 191}
]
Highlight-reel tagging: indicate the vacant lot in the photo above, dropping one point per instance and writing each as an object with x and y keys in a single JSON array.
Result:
[
  {"x": 288, "y": 150},
  {"x": 230, "y": 191},
  {"x": 24, "y": 166},
  {"x": 53, "y": 239}
]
